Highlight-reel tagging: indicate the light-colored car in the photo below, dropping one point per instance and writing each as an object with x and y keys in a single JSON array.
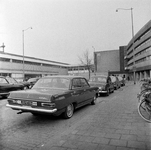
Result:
[
  {"x": 115, "y": 82},
  {"x": 122, "y": 81},
  {"x": 103, "y": 82}
]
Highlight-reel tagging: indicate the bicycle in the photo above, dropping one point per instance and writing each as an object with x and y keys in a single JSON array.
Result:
[{"x": 144, "y": 106}]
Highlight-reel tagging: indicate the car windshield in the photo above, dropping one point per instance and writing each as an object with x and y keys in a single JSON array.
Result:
[
  {"x": 32, "y": 79},
  {"x": 113, "y": 79},
  {"x": 52, "y": 83},
  {"x": 11, "y": 80},
  {"x": 98, "y": 79}
]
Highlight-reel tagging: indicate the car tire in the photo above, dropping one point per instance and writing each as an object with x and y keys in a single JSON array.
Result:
[
  {"x": 68, "y": 111},
  {"x": 108, "y": 92},
  {"x": 94, "y": 100},
  {"x": 25, "y": 88}
]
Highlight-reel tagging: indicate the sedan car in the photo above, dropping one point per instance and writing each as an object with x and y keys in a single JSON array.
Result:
[
  {"x": 54, "y": 95},
  {"x": 8, "y": 84},
  {"x": 103, "y": 82},
  {"x": 121, "y": 80},
  {"x": 115, "y": 82},
  {"x": 32, "y": 81}
]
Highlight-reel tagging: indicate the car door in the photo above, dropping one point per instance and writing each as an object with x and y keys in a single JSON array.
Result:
[
  {"x": 88, "y": 94},
  {"x": 77, "y": 91},
  {"x": 14, "y": 84},
  {"x": 110, "y": 84},
  {"x": 5, "y": 87}
]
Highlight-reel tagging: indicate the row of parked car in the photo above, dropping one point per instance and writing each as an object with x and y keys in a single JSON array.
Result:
[
  {"x": 56, "y": 95},
  {"x": 107, "y": 84}
]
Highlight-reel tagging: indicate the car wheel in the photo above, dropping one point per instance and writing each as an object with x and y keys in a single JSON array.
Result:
[
  {"x": 94, "y": 100},
  {"x": 25, "y": 88},
  {"x": 69, "y": 111},
  {"x": 108, "y": 92}
]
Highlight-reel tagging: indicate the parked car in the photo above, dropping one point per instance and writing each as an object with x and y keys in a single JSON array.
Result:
[
  {"x": 115, "y": 82},
  {"x": 26, "y": 84},
  {"x": 121, "y": 80},
  {"x": 54, "y": 95},
  {"x": 8, "y": 84},
  {"x": 103, "y": 82},
  {"x": 32, "y": 81}
]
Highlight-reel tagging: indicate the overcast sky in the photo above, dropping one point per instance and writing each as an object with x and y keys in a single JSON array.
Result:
[{"x": 64, "y": 29}]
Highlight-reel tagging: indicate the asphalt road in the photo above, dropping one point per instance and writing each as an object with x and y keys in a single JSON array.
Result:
[{"x": 25, "y": 131}]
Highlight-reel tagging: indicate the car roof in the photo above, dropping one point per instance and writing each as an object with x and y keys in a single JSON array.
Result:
[{"x": 113, "y": 76}]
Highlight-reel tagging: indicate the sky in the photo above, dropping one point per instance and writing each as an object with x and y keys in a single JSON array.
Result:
[{"x": 62, "y": 30}]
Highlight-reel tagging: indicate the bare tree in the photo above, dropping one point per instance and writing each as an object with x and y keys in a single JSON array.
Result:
[{"x": 86, "y": 60}]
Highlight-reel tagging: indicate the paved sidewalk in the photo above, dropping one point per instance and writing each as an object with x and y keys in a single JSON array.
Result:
[{"x": 115, "y": 125}]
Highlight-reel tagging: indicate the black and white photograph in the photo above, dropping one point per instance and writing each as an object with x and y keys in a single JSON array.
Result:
[{"x": 75, "y": 75}]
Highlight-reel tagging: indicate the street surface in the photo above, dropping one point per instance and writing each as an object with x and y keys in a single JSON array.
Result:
[{"x": 119, "y": 109}]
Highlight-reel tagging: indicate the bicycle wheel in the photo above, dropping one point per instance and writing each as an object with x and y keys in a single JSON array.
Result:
[{"x": 144, "y": 111}]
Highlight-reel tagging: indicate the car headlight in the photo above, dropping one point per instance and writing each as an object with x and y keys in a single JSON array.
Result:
[{"x": 100, "y": 88}]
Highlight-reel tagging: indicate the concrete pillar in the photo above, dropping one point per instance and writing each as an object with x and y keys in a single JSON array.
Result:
[
  {"x": 136, "y": 76},
  {"x": 145, "y": 74},
  {"x": 141, "y": 75},
  {"x": 150, "y": 73}
]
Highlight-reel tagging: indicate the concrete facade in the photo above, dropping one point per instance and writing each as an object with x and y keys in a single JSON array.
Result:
[
  {"x": 12, "y": 65},
  {"x": 107, "y": 61},
  {"x": 139, "y": 55}
]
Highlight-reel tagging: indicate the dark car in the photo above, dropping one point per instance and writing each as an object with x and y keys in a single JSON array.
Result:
[
  {"x": 54, "y": 95},
  {"x": 8, "y": 84},
  {"x": 26, "y": 84},
  {"x": 103, "y": 82},
  {"x": 32, "y": 81},
  {"x": 115, "y": 82}
]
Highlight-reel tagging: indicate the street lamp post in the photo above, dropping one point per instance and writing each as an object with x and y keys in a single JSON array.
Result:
[
  {"x": 23, "y": 50},
  {"x": 131, "y": 9},
  {"x": 94, "y": 60}
]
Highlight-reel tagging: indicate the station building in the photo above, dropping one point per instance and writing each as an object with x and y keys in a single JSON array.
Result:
[{"x": 12, "y": 65}]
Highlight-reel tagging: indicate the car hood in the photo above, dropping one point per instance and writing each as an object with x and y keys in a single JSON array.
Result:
[
  {"x": 36, "y": 94},
  {"x": 100, "y": 84},
  {"x": 25, "y": 83}
]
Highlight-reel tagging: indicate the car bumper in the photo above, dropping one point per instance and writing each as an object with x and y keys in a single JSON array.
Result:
[
  {"x": 31, "y": 109},
  {"x": 2, "y": 94},
  {"x": 102, "y": 91}
]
